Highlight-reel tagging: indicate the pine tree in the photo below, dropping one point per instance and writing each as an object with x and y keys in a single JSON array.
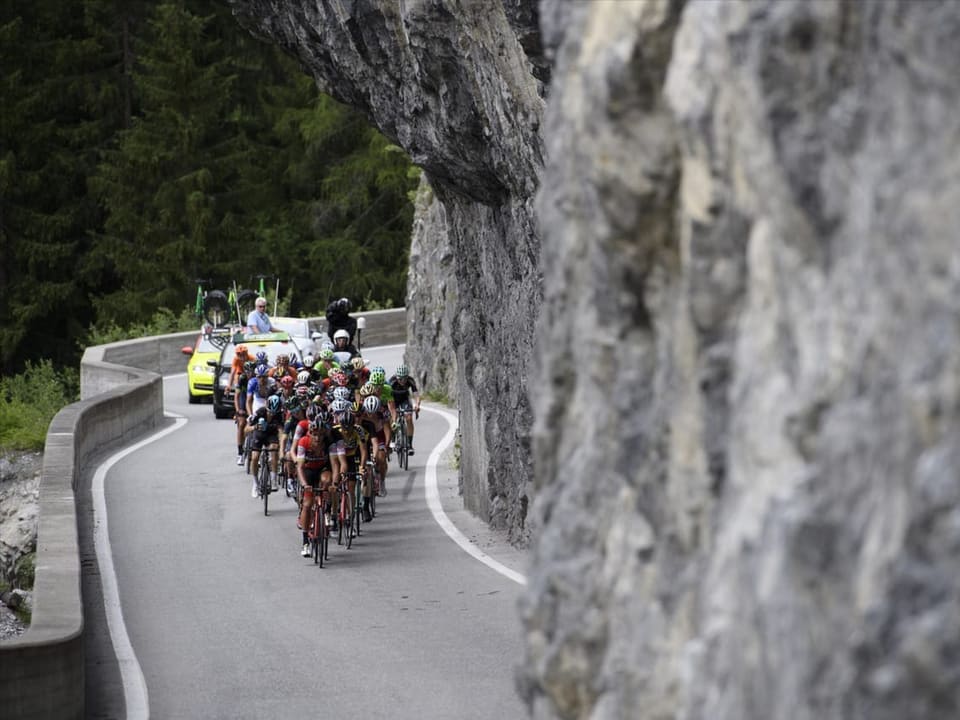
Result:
[{"x": 53, "y": 120}]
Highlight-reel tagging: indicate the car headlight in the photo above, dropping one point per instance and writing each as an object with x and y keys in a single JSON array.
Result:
[
  {"x": 202, "y": 369},
  {"x": 224, "y": 379}
]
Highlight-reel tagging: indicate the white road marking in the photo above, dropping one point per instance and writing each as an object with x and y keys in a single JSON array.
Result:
[
  {"x": 134, "y": 684},
  {"x": 432, "y": 491}
]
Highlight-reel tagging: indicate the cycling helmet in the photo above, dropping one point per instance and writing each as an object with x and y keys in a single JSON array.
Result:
[
  {"x": 316, "y": 425},
  {"x": 312, "y": 411},
  {"x": 402, "y": 371},
  {"x": 308, "y": 360},
  {"x": 303, "y": 377},
  {"x": 262, "y": 370},
  {"x": 368, "y": 388},
  {"x": 379, "y": 368},
  {"x": 286, "y": 381},
  {"x": 274, "y": 403},
  {"x": 242, "y": 350},
  {"x": 292, "y": 404},
  {"x": 371, "y": 404},
  {"x": 378, "y": 377},
  {"x": 340, "y": 406},
  {"x": 250, "y": 365},
  {"x": 346, "y": 419},
  {"x": 327, "y": 354},
  {"x": 357, "y": 363},
  {"x": 262, "y": 358},
  {"x": 303, "y": 391},
  {"x": 340, "y": 378},
  {"x": 283, "y": 358},
  {"x": 341, "y": 333}
]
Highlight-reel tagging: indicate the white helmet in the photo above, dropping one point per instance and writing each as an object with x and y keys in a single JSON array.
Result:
[
  {"x": 303, "y": 377},
  {"x": 341, "y": 333},
  {"x": 371, "y": 404}
]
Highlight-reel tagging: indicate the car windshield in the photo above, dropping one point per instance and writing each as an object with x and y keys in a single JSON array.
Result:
[{"x": 294, "y": 326}]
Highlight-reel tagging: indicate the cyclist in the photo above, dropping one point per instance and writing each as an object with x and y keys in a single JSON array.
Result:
[
  {"x": 351, "y": 446},
  {"x": 313, "y": 472},
  {"x": 293, "y": 415},
  {"x": 404, "y": 387},
  {"x": 264, "y": 426},
  {"x": 241, "y": 355},
  {"x": 240, "y": 405},
  {"x": 375, "y": 419},
  {"x": 259, "y": 388},
  {"x": 283, "y": 368}
]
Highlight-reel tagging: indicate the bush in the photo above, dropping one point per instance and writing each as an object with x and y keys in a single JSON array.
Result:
[
  {"x": 163, "y": 322},
  {"x": 29, "y": 400}
]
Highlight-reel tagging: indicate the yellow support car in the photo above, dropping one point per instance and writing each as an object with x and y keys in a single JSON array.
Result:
[{"x": 200, "y": 375}]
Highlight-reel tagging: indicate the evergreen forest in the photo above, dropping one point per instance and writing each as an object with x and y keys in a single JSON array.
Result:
[{"x": 145, "y": 146}]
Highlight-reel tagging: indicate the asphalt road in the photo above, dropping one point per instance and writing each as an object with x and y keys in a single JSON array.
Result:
[{"x": 226, "y": 620}]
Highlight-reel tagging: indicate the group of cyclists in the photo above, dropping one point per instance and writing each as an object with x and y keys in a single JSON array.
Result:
[{"x": 319, "y": 421}]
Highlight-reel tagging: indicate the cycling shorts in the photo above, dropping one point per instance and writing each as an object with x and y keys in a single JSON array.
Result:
[
  {"x": 312, "y": 475},
  {"x": 262, "y": 439}
]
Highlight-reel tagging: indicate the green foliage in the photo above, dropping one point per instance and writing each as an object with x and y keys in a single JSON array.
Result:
[
  {"x": 25, "y": 571},
  {"x": 146, "y": 145},
  {"x": 438, "y": 396},
  {"x": 162, "y": 322},
  {"x": 29, "y": 400}
]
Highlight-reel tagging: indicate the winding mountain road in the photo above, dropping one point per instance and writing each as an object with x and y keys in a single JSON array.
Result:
[{"x": 224, "y": 619}]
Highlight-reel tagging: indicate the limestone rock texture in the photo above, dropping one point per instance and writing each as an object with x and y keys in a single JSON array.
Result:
[
  {"x": 706, "y": 273},
  {"x": 459, "y": 85},
  {"x": 748, "y": 455}
]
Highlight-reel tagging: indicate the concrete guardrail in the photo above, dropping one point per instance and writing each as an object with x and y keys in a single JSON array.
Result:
[{"x": 42, "y": 671}]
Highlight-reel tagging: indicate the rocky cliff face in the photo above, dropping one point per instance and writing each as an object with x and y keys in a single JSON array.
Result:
[
  {"x": 746, "y": 428},
  {"x": 750, "y": 214},
  {"x": 459, "y": 86}
]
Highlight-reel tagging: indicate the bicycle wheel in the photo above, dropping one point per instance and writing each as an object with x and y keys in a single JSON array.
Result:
[
  {"x": 343, "y": 528},
  {"x": 317, "y": 528},
  {"x": 216, "y": 308},
  {"x": 264, "y": 481}
]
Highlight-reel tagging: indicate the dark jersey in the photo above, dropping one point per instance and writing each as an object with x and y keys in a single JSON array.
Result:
[{"x": 402, "y": 389}]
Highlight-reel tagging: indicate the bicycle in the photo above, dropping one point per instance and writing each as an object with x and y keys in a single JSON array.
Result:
[
  {"x": 212, "y": 305},
  {"x": 264, "y": 483},
  {"x": 318, "y": 532},
  {"x": 377, "y": 489},
  {"x": 402, "y": 442},
  {"x": 344, "y": 516},
  {"x": 349, "y": 515}
]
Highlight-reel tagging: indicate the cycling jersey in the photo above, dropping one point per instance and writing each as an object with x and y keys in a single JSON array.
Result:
[
  {"x": 351, "y": 437},
  {"x": 401, "y": 389},
  {"x": 254, "y": 391},
  {"x": 313, "y": 455}
]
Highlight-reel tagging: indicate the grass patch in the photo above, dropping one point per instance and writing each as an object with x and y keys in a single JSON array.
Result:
[
  {"x": 25, "y": 571},
  {"x": 437, "y": 396},
  {"x": 29, "y": 400}
]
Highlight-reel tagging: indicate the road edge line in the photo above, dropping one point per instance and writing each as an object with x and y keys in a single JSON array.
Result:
[
  {"x": 135, "y": 695},
  {"x": 432, "y": 492}
]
